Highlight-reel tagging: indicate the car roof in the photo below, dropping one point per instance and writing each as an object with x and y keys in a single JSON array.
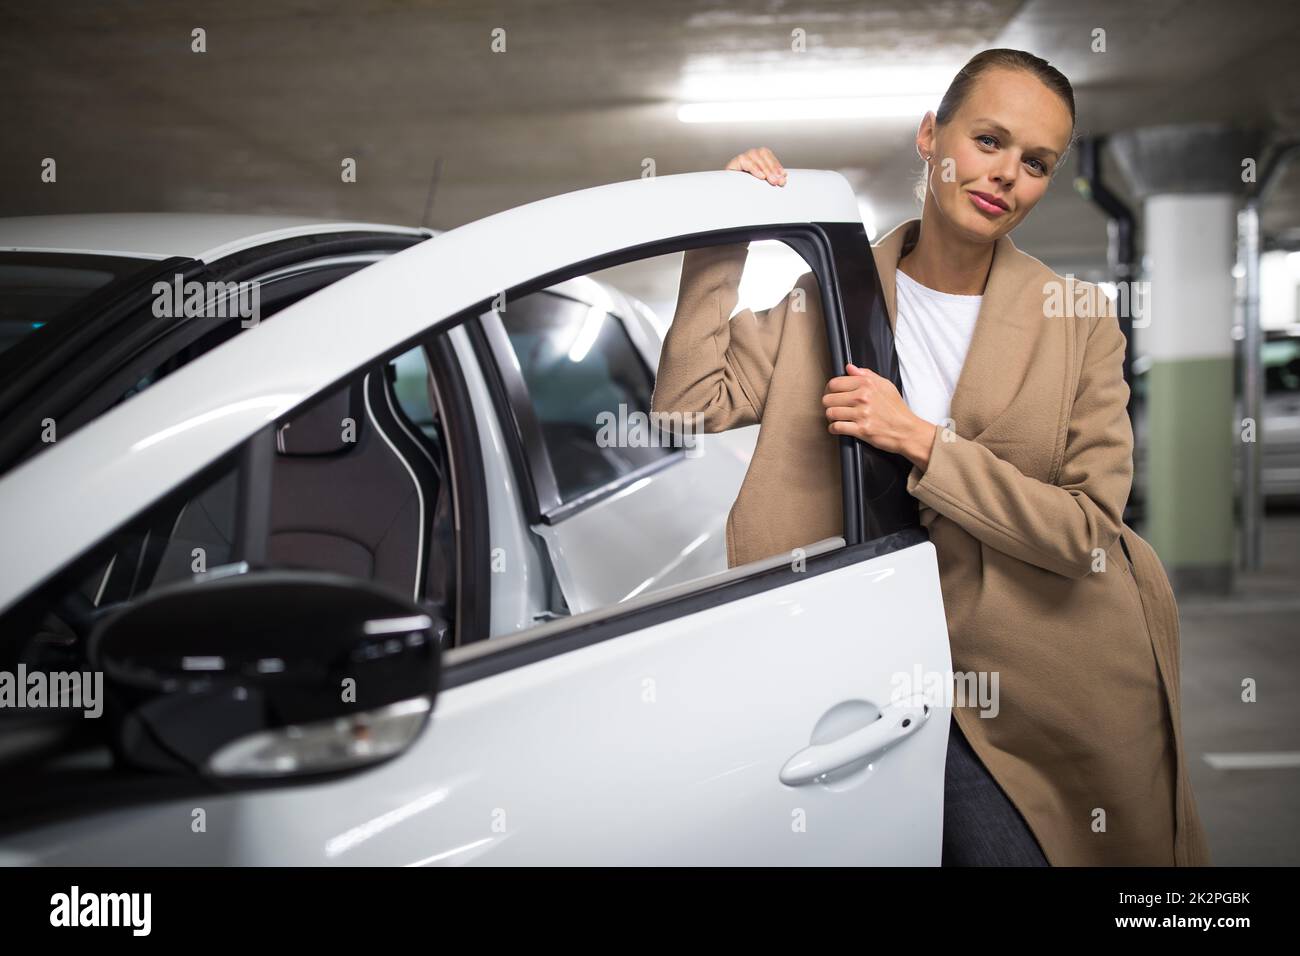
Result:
[{"x": 160, "y": 235}]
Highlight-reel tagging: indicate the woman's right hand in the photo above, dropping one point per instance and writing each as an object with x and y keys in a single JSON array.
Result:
[{"x": 761, "y": 162}]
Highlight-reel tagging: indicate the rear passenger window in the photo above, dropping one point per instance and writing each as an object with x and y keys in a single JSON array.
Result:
[{"x": 582, "y": 372}]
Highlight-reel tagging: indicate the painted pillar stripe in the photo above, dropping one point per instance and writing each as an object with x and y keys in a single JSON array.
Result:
[{"x": 1190, "y": 251}]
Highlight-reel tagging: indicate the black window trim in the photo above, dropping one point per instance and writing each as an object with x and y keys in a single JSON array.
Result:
[{"x": 469, "y": 497}]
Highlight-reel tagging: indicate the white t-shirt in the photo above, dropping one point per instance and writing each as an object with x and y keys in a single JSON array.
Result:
[{"x": 932, "y": 332}]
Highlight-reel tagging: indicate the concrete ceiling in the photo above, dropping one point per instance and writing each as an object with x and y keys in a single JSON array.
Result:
[{"x": 585, "y": 92}]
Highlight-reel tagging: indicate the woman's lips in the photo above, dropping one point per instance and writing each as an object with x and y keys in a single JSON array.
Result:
[{"x": 985, "y": 205}]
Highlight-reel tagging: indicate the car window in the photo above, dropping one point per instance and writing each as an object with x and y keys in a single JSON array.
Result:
[
  {"x": 578, "y": 362},
  {"x": 637, "y": 403}
]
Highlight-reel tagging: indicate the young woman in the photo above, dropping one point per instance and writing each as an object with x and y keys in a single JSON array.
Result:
[{"x": 1013, "y": 414}]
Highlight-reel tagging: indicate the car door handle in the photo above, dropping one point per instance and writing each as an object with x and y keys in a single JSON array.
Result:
[{"x": 896, "y": 722}]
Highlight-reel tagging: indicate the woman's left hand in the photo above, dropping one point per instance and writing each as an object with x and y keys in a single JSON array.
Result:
[{"x": 865, "y": 406}]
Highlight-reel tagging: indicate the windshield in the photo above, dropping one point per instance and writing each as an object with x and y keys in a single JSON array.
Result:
[{"x": 36, "y": 287}]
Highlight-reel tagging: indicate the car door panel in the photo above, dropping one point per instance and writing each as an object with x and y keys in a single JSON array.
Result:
[{"x": 664, "y": 745}]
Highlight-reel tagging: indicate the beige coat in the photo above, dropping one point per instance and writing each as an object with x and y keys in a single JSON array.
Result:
[{"x": 1023, "y": 501}]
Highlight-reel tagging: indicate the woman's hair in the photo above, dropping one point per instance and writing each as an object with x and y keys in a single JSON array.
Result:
[{"x": 964, "y": 82}]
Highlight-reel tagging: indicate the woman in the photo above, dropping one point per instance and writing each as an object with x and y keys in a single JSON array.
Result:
[{"x": 1021, "y": 447}]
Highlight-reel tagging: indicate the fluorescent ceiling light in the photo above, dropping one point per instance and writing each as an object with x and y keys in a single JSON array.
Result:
[
  {"x": 719, "y": 80},
  {"x": 857, "y": 107},
  {"x": 712, "y": 93}
]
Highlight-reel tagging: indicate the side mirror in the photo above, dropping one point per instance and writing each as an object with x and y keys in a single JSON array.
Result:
[{"x": 271, "y": 674}]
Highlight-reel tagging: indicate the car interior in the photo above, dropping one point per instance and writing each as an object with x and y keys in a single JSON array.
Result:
[{"x": 357, "y": 487}]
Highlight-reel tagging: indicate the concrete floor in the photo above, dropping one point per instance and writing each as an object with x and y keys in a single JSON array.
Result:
[{"x": 1252, "y": 816}]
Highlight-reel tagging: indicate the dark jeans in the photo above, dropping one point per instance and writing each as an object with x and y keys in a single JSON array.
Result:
[{"x": 981, "y": 826}]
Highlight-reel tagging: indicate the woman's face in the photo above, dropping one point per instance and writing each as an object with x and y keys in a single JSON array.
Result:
[{"x": 992, "y": 161}]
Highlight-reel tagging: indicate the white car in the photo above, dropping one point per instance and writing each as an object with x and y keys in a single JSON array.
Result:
[{"x": 364, "y": 583}]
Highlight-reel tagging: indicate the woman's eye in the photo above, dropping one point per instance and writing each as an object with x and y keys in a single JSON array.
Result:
[
  {"x": 986, "y": 136},
  {"x": 1042, "y": 168}
]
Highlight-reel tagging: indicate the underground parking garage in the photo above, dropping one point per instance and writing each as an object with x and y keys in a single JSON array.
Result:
[{"x": 796, "y": 435}]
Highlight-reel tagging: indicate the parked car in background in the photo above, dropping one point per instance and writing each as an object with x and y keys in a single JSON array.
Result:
[{"x": 1279, "y": 432}]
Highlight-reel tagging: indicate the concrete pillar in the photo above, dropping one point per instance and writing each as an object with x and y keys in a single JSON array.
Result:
[{"x": 1190, "y": 181}]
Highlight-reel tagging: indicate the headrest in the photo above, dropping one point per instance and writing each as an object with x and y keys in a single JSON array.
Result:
[{"x": 323, "y": 429}]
